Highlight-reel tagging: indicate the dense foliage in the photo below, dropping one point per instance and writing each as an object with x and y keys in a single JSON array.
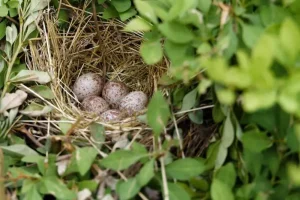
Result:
[{"x": 243, "y": 54}]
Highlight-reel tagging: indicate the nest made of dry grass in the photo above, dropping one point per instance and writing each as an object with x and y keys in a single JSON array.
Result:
[{"x": 68, "y": 53}]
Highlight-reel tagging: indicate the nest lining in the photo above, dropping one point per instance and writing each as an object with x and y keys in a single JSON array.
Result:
[{"x": 71, "y": 52}]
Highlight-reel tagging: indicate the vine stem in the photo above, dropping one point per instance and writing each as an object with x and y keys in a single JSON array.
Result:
[
  {"x": 13, "y": 60},
  {"x": 163, "y": 173}
]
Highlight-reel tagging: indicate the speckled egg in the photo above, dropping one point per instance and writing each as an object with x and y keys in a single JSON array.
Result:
[
  {"x": 112, "y": 115},
  {"x": 133, "y": 102},
  {"x": 88, "y": 85},
  {"x": 113, "y": 92},
  {"x": 95, "y": 104}
]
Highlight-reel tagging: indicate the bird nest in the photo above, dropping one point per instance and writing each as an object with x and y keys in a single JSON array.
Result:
[{"x": 81, "y": 48}]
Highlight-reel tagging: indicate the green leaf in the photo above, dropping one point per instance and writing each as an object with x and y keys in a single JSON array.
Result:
[
  {"x": 97, "y": 134},
  {"x": 84, "y": 158},
  {"x": 220, "y": 191},
  {"x": 13, "y": 3},
  {"x": 189, "y": 100},
  {"x": 228, "y": 133},
  {"x": 36, "y": 110},
  {"x": 290, "y": 39},
  {"x": 196, "y": 116},
  {"x": 293, "y": 171},
  {"x": 251, "y": 34},
  {"x": 121, "y": 159},
  {"x": 18, "y": 150},
  {"x": 204, "y": 5},
  {"x": 110, "y": 12},
  {"x": 227, "y": 175},
  {"x": 52, "y": 185},
  {"x": 180, "y": 7},
  {"x": 176, "y": 32},
  {"x": 177, "y": 193},
  {"x": 145, "y": 174},
  {"x": 138, "y": 24},
  {"x": 121, "y": 5},
  {"x": 151, "y": 51},
  {"x": 11, "y": 34},
  {"x": 37, "y": 5},
  {"x": 127, "y": 190},
  {"x": 43, "y": 91},
  {"x": 32, "y": 193},
  {"x": 64, "y": 126},
  {"x": 184, "y": 169},
  {"x": 2, "y": 29},
  {"x": 158, "y": 113},
  {"x": 31, "y": 75},
  {"x": 146, "y": 10},
  {"x": 255, "y": 100},
  {"x": 256, "y": 141},
  {"x": 177, "y": 53},
  {"x": 127, "y": 14},
  {"x": 221, "y": 156},
  {"x": 3, "y": 11}
]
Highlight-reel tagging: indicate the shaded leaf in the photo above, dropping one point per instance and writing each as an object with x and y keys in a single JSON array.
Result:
[
  {"x": 2, "y": 29},
  {"x": 256, "y": 141},
  {"x": 251, "y": 34},
  {"x": 121, "y": 159},
  {"x": 121, "y": 5},
  {"x": 32, "y": 75},
  {"x": 177, "y": 192},
  {"x": 158, "y": 113},
  {"x": 18, "y": 150},
  {"x": 43, "y": 91},
  {"x": 175, "y": 31},
  {"x": 128, "y": 14},
  {"x": 184, "y": 169},
  {"x": 128, "y": 189},
  {"x": 227, "y": 174},
  {"x": 97, "y": 134},
  {"x": 146, "y": 173},
  {"x": 36, "y": 110},
  {"x": 189, "y": 100},
  {"x": 228, "y": 133}
]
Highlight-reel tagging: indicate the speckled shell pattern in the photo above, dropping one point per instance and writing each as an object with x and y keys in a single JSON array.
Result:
[
  {"x": 113, "y": 92},
  {"x": 95, "y": 104},
  {"x": 111, "y": 115},
  {"x": 89, "y": 84},
  {"x": 133, "y": 102}
]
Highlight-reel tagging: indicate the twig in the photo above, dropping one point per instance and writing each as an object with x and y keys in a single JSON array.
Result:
[
  {"x": 195, "y": 109},
  {"x": 95, "y": 19},
  {"x": 163, "y": 173},
  {"x": 178, "y": 136},
  {"x": 12, "y": 20},
  {"x": 2, "y": 187}
]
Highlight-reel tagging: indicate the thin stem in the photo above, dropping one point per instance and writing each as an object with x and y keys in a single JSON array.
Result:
[
  {"x": 2, "y": 188},
  {"x": 163, "y": 173}
]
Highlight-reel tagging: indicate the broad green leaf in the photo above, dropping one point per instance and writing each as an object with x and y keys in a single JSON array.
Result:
[
  {"x": 272, "y": 160},
  {"x": 33, "y": 193},
  {"x": 189, "y": 100},
  {"x": 251, "y": 34},
  {"x": 176, "y": 32},
  {"x": 177, "y": 193},
  {"x": 11, "y": 34},
  {"x": 220, "y": 191},
  {"x": 177, "y": 53},
  {"x": 225, "y": 96},
  {"x": 36, "y": 110},
  {"x": 204, "y": 5},
  {"x": 92, "y": 185},
  {"x": 97, "y": 134},
  {"x": 43, "y": 91},
  {"x": 290, "y": 39},
  {"x": 18, "y": 150},
  {"x": 138, "y": 147},
  {"x": 121, "y": 5},
  {"x": 128, "y": 14},
  {"x": 151, "y": 51},
  {"x": 145, "y": 174},
  {"x": 228, "y": 132},
  {"x": 121, "y": 159},
  {"x": 3, "y": 11},
  {"x": 255, "y": 100},
  {"x": 110, "y": 12},
  {"x": 293, "y": 171},
  {"x": 262, "y": 53},
  {"x": 31, "y": 75},
  {"x": 64, "y": 126},
  {"x": 145, "y": 9},
  {"x": 84, "y": 158},
  {"x": 158, "y": 113},
  {"x": 2, "y": 29},
  {"x": 138, "y": 24},
  {"x": 52, "y": 185},
  {"x": 196, "y": 116},
  {"x": 180, "y": 7},
  {"x": 127, "y": 190},
  {"x": 184, "y": 169},
  {"x": 227, "y": 174},
  {"x": 256, "y": 141}
]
